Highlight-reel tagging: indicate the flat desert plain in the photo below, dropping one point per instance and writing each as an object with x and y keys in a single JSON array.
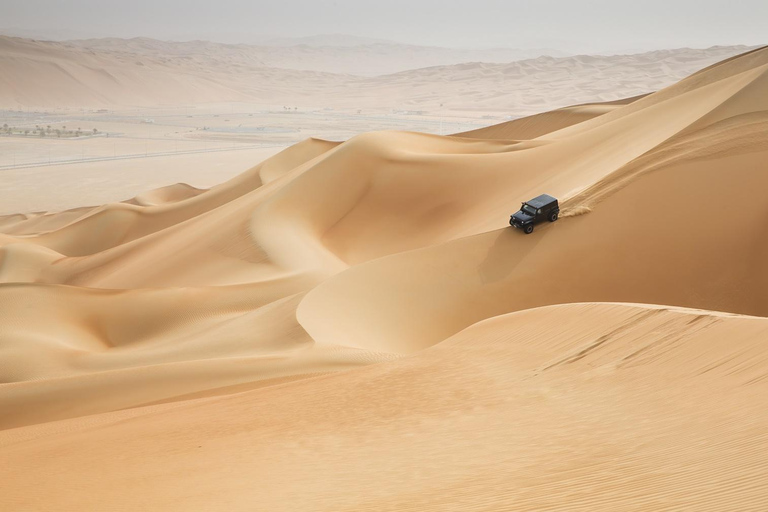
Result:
[{"x": 351, "y": 326}]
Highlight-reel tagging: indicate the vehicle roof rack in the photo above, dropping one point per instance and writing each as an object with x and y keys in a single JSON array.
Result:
[{"x": 542, "y": 200}]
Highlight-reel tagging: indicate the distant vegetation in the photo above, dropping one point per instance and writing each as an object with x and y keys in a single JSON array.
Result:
[{"x": 47, "y": 131}]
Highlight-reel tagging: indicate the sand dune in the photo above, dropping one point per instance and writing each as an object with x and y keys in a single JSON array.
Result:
[
  {"x": 575, "y": 407},
  {"x": 119, "y": 73},
  {"x": 184, "y": 349},
  {"x": 537, "y": 125},
  {"x": 339, "y": 54},
  {"x": 109, "y": 350}
]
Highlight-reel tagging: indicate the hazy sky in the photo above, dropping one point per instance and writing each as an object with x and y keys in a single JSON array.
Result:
[{"x": 576, "y": 26}]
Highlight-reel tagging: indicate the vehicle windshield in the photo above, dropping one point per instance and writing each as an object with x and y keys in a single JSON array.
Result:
[{"x": 530, "y": 210}]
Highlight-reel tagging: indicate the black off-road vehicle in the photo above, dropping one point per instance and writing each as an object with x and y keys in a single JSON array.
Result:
[{"x": 533, "y": 211}]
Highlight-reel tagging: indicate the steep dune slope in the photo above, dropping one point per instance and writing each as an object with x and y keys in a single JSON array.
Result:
[
  {"x": 450, "y": 194},
  {"x": 165, "y": 352},
  {"x": 689, "y": 234},
  {"x": 703, "y": 198}
]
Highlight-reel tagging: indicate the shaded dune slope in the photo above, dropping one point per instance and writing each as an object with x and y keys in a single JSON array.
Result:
[
  {"x": 98, "y": 350},
  {"x": 651, "y": 241}
]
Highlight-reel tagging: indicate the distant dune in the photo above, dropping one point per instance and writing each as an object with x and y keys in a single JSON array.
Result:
[
  {"x": 146, "y": 72},
  {"x": 353, "y": 326},
  {"x": 328, "y": 54}
]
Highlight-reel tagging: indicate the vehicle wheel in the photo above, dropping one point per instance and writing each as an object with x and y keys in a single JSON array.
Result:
[
  {"x": 553, "y": 217},
  {"x": 528, "y": 229}
]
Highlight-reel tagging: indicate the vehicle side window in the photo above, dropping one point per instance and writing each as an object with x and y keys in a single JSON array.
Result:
[{"x": 538, "y": 212}]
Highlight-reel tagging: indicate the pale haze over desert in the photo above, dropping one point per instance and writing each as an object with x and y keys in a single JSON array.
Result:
[{"x": 264, "y": 256}]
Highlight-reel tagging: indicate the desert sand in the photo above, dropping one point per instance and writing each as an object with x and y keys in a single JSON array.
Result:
[
  {"x": 353, "y": 326},
  {"x": 119, "y": 73},
  {"x": 141, "y": 148},
  {"x": 204, "y": 111},
  {"x": 333, "y": 54},
  {"x": 64, "y": 186}
]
